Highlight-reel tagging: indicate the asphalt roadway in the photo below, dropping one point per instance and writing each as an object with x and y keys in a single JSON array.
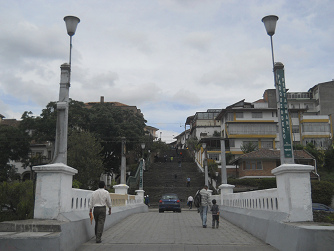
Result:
[{"x": 174, "y": 231}]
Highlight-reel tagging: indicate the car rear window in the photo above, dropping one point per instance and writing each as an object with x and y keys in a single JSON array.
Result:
[{"x": 167, "y": 197}]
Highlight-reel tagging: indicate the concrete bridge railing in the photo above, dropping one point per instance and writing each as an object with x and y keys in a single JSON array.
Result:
[{"x": 55, "y": 195}]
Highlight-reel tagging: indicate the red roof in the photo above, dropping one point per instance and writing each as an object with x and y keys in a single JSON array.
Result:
[{"x": 272, "y": 154}]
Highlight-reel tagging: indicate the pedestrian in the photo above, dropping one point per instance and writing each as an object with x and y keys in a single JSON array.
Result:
[
  {"x": 190, "y": 202},
  {"x": 205, "y": 202},
  {"x": 215, "y": 214},
  {"x": 99, "y": 200},
  {"x": 188, "y": 182},
  {"x": 179, "y": 162},
  {"x": 148, "y": 200}
]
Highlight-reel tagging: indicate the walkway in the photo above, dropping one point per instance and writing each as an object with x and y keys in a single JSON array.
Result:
[{"x": 174, "y": 231}]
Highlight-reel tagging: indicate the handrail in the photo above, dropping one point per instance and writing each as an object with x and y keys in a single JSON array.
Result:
[{"x": 133, "y": 180}]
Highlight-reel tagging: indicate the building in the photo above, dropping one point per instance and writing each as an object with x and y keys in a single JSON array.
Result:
[
  {"x": 181, "y": 139},
  {"x": 259, "y": 163},
  {"x": 204, "y": 124}
]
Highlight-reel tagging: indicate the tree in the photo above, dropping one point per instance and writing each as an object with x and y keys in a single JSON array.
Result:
[
  {"x": 110, "y": 124},
  {"x": 84, "y": 155},
  {"x": 19, "y": 200},
  {"x": 329, "y": 158},
  {"x": 14, "y": 145},
  {"x": 248, "y": 147},
  {"x": 317, "y": 154}
]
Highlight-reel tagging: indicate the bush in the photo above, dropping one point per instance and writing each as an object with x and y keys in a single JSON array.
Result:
[
  {"x": 18, "y": 198},
  {"x": 322, "y": 192}
]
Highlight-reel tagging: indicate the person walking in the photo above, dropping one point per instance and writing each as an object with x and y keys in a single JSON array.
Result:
[
  {"x": 205, "y": 203},
  {"x": 190, "y": 202},
  {"x": 188, "y": 182},
  {"x": 99, "y": 200},
  {"x": 215, "y": 214}
]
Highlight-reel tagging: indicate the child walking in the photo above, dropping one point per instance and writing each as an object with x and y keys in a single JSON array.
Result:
[{"x": 215, "y": 214}]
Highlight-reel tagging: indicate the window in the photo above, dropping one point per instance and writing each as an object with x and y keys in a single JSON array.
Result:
[
  {"x": 239, "y": 115},
  {"x": 214, "y": 156},
  {"x": 231, "y": 142},
  {"x": 229, "y": 117},
  {"x": 267, "y": 144},
  {"x": 294, "y": 114},
  {"x": 295, "y": 128},
  {"x": 253, "y": 165},
  {"x": 316, "y": 127},
  {"x": 256, "y": 115}
]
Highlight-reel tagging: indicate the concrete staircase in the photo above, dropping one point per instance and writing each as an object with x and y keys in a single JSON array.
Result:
[{"x": 167, "y": 177}]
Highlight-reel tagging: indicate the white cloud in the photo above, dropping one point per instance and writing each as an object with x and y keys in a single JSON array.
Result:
[{"x": 170, "y": 58}]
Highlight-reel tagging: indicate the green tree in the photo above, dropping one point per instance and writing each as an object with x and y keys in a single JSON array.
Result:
[
  {"x": 316, "y": 153},
  {"x": 84, "y": 155},
  {"x": 248, "y": 147},
  {"x": 18, "y": 198},
  {"x": 329, "y": 158},
  {"x": 110, "y": 124},
  {"x": 14, "y": 145}
]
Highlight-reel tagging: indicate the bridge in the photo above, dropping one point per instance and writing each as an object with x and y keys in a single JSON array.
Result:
[{"x": 279, "y": 218}]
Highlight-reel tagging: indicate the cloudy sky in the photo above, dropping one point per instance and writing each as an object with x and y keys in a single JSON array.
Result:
[{"x": 170, "y": 58}]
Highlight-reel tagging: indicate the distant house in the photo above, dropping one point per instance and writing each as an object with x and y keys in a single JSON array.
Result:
[{"x": 258, "y": 164}]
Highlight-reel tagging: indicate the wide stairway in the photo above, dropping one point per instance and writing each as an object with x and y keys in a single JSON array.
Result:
[{"x": 167, "y": 177}]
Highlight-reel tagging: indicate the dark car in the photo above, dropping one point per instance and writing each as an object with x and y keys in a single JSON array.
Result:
[
  {"x": 321, "y": 207},
  {"x": 169, "y": 202}
]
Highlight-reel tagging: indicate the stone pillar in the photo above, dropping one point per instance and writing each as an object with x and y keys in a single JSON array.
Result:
[
  {"x": 294, "y": 191},
  {"x": 60, "y": 154},
  {"x": 121, "y": 189},
  {"x": 53, "y": 190},
  {"x": 225, "y": 189},
  {"x": 140, "y": 195},
  {"x": 123, "y": 162}
]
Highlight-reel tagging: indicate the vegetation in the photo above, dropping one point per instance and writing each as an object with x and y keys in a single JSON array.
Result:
[
  {"x": 16, "y": 200},
  {"x": 248, "y": 147},
  {"x": 107, "y": 124},
  {"x": 14, "y": 145},
  {"x": 84, "y": 155}
]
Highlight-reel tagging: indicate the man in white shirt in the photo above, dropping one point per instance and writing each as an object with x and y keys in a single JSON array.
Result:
[
  {"x": 100, "y": 199},
  {"x": 190, "y": 202}
]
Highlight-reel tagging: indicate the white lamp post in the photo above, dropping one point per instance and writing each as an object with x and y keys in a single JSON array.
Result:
[
  {"x": 71, "y": 26},
  {"x": 60, "y": 153},
  {"x": 141, "y": 167}
]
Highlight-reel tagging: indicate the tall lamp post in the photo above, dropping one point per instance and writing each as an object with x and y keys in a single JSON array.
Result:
[
  {"x": 206, "y": 176},
  {"x": 286, "y": 150},
  {"x": 60, "y": 154},
  {"x": 71, "y": 26},
  {"x": 141, "y": 167}
]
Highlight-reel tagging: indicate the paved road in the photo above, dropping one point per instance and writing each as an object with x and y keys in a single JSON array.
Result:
[{"x": 174, "y": 231}]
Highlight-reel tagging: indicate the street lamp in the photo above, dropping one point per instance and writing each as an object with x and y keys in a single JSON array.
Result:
[
  {"x": 206, "y": 176},
  {"x": 270, "y": 25},
  {"x": 286, "y": 151},
  {"x": 141, "y": 167},
  {"x": 71, "y": 26},
  {"x": 60, "y": 152}
]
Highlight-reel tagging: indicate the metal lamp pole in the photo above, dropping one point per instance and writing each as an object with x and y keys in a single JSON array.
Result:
[{"x": 286, "y": 151}]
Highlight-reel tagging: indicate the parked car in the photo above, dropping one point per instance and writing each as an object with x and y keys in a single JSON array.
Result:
[
  {"x": 321, "y": 207},
  {"x": 169, "y": 202}
]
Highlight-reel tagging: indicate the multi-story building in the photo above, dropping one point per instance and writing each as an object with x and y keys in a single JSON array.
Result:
[{"x": 204, "y": 124}]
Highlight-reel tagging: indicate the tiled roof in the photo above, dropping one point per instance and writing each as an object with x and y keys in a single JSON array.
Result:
[{"x": 272, "y": 154}]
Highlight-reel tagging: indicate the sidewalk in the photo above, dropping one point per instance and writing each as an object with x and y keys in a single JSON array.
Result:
[{"x": 174, "y": 231}]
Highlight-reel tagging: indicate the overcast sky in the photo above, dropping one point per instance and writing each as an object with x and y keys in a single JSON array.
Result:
[{"x": 170, "y": 58}]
